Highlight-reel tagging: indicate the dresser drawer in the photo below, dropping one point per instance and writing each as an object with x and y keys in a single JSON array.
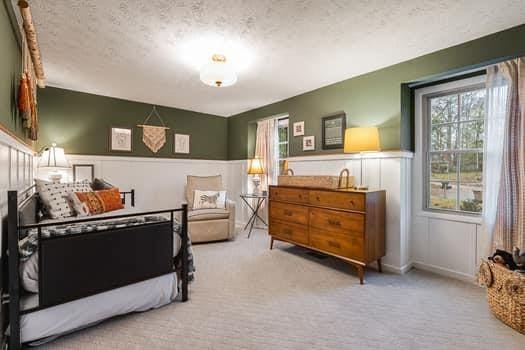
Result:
[
  {"x": 337, "y": 221},
  {"x": 342, "y": 200},
  {"x": 297, "y": 195},
  {"x": 288, "y": 231},
  {"x": 289, "y": 212},
  {"x": 345, "y": 246}
]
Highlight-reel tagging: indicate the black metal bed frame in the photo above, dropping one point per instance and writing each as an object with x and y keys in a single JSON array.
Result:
[{"x": 75, "y": 266}]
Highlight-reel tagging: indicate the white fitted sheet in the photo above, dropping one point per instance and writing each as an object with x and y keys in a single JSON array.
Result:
[{"x": 77, "y": 314}]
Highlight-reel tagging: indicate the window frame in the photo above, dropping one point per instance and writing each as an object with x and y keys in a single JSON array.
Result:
[
  {"x": 426, "y": 138},
  {"x": 287, "y": 142}
]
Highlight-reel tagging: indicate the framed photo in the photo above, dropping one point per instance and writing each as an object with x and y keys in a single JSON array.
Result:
[
  {"x": 182, "y": 143},
  {"x": 334, "y": 131},
  {"x": 298, "y": 129},
  {"x": 309, "y": 143},
  {"x": 83, "y": 172},
  {"x": 120, "y": 140}
]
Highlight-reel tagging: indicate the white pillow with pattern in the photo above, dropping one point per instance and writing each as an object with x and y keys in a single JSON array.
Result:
[
  {"x": 209, "y": 199},
  {"x": 55, "y": 197}
]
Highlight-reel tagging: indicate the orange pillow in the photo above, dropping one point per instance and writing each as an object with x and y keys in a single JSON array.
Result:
[
  {"x": 111, "y": 199},
  {"x": 102, "y": 201}
]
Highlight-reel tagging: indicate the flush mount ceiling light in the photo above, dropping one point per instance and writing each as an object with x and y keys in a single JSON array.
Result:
[{"x": 218, "y": 72}]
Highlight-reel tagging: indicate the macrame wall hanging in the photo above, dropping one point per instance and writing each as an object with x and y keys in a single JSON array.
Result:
[{"x": 154, "y": 137}]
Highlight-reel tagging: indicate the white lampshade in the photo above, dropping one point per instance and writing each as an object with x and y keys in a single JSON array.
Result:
[
  {"x": 218, "y": 72},
  {"x": 53, "y": 157}
]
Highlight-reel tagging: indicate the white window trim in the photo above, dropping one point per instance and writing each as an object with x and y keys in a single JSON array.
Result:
[{"x": 418, "y": 188}]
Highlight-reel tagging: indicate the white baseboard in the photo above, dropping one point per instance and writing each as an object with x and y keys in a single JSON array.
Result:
[
  {"x": 396, "y": 269},
  {"x": 444, "y": 271}
]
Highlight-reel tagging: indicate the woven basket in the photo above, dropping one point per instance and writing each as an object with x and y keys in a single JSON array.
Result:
[{"x": 505, "y": 294}]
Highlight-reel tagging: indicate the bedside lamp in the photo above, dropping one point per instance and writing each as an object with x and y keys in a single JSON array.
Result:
[
  {"x": 54, "y": 159},
  {"x": 361, "y": 140},
  {"x": 256, "y": 168}
]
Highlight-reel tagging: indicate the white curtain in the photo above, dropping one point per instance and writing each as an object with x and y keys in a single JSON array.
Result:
[
  {"x": 267, "y": 149},
  {"x": 495, "y": 125}
]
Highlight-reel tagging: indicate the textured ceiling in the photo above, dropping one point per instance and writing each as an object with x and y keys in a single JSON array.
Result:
[{"x": 150, "y": 50}]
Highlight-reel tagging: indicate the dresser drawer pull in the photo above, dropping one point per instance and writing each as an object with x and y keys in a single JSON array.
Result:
[
  {"x": 334, "y": 244},
  {"x": 318, "y": 198},
  {"x": 287, "y": 231},
  {"x": 334, "y": 222},
  {"x": 352, "y": 203},
  {"x": 288, "y": 212}
]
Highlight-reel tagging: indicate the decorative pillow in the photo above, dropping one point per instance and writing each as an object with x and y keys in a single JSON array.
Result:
[
  {"x": 101, "y": 184},
  {"x": 55, "y": 197},
  {"x": 209, "y": 199},
  {"x": 96, "y": 202}
]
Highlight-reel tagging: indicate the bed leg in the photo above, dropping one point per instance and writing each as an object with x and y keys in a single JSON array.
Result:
[
  {"x": 13, "y": 261},
  {"x": 184, "y": 252}
]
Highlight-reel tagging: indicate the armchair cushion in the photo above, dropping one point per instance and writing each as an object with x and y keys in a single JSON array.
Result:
[{"x": 208, "y": 214}]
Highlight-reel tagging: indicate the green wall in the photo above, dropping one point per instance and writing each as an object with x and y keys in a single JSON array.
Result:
[
  {"x": 81, "y": 123},
  {"x": 373, "y": 98},
  {"x": 10, "y": 69}
]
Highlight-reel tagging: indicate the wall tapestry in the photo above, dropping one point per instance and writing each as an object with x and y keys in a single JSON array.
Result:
[{"x": 154, "y": 137}]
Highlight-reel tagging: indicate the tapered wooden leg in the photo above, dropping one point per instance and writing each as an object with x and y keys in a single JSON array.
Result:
[
  {"x": 361, "y": 273},
  {"x": 379, "y": 267},
  {"x": 271, "y": 243}
]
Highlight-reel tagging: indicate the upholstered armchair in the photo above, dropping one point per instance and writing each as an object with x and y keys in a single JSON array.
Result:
[{"x": 207, "y": 225}]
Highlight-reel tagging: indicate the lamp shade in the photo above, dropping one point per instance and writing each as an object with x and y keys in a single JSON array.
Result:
[
  {"x": 53, "y": 157},
  {"x": 218, "y": 72},
  {"x": 361, "y": 140},
  {"x": 256, "y": 167}
]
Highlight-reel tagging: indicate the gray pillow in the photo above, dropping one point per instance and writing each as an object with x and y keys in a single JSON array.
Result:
[{"x": 101, "y": 184}]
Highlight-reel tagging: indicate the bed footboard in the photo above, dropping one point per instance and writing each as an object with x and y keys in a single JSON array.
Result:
[{"x": 77, "y": 266}]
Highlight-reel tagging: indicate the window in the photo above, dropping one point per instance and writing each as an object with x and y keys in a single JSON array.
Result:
[
  {"x": 454, "y": 149},
  {"x": 283, "y": 141}
]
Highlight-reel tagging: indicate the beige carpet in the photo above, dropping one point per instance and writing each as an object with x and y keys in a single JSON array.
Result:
[{"x": 248, "y": 297}]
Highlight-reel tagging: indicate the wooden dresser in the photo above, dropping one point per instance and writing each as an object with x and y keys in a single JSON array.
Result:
[{"x": 347, "y": 224}]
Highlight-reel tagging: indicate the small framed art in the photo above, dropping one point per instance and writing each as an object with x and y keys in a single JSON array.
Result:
[
  {"x": 309, "y": 143},
  {"x": 83, "y": 172},
  {"x": 121, "y": 140},
  {"x": 182, "y": 143},
  {"x": 334, "y": 130},
  {"x": 298, "y": 129}
]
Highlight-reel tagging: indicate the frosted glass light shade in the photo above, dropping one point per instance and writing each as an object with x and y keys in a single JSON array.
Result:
[
  {"x": 361, "y": 140},
  {"x": 218, "y": 73},
  {"x": 53, "y": 157}
]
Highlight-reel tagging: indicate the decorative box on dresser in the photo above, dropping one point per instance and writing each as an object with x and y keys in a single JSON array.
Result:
[{"x": 345, "y": 223}]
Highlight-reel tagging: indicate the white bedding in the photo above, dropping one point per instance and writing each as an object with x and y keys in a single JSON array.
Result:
[
  {"x": 64, "y": 318},
  {"x": 29, "y": 268}
]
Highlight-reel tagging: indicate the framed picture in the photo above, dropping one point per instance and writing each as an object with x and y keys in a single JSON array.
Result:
[
  {"x": 334, "y": 131},
  {"x": 121, "y": 140},
  {"x": 298, "y": 129},
  {"x": 83, "y": 172},
  {"x": 182, "y": 143},
  {"x": 309, "y": 143}
]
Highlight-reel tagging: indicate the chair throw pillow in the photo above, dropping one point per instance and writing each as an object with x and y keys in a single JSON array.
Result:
[
  {"x": 55, "y": 197},
  {"x": 209, "y": 200},
  {"x": 96, "y": 202}
]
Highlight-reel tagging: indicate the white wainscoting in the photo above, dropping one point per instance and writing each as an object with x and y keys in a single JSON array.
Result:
[
  {"x": 390, "y": 171},
  {"x": 438, "y": 244},
  {"x": 16, "y": 169},
  {"x": 160, "y": 182}
]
